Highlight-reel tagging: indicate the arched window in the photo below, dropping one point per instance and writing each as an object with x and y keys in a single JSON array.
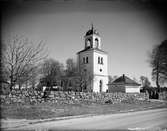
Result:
[
  {"x": 100, "y": 85},
  {"x": 88, "y": 43},
  {"x": 96, "y": 43}
]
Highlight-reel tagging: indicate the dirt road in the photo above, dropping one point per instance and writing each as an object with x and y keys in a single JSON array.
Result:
[{"x": 131, "y": 120}]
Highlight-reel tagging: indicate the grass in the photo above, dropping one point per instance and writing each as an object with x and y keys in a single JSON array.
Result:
[{"x": 50, "y": 110}]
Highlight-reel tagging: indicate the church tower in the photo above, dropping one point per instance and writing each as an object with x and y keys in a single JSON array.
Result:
[{"x": 92, "y": 62}]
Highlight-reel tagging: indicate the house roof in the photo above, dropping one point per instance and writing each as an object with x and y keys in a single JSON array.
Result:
[
  {"x": 89, "y": 49},
  {"x": 124, "y": 80}
]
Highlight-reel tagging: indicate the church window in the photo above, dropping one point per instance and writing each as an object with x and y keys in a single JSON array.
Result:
[
  {"x": 98, "y": 60},
  {"x": 88, "y": 43},
  {"x": 86, "y": 59},
  {"x": 101, "y": 60}
]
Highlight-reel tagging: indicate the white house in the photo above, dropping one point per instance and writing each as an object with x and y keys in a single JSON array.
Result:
[
  {"x": 92, "y": 60},
  {"x": 125, "y": 85}
]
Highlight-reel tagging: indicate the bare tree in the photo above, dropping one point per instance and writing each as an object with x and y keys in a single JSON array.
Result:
[
  {"x": 51, "y": 71},
  {"x": 71, "y": 67},
  {"x": 71, "y": 75},
  {"x": 76, "y": 80},
  {"x": 85, "y": 78},
  {"x": 142, "y": 78},
  {"x": 20, "y": 58},
  {"x": 145, "y": 81},
  {"x": 86, "y": 81},
  {"x": 110, "y": 79},
  {"x": 158, "y": 62}
]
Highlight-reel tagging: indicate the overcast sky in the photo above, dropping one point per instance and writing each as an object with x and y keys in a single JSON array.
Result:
[{"x": 128, "y": 30}]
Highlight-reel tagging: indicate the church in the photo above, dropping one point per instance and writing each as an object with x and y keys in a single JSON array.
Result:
[{"x": 93, "y": 62}]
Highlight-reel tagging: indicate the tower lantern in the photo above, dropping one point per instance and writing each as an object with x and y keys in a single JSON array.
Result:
[{"x": 92, "y": 39}]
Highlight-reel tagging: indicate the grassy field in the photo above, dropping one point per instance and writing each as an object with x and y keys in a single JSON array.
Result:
[{"x": 49, "y": 110}]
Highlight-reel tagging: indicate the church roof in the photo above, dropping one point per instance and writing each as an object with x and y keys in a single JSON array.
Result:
[
  {"x": 92, "y": 31},
  {"x": 124, "y": 80},
  {"x": 89, "y": 49}
]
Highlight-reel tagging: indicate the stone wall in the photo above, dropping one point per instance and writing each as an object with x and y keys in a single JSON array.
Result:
[
  {"x": 163, "y": 95},
  {"x": 59, "y": 97}
]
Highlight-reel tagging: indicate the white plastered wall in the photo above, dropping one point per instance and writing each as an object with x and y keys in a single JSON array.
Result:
[
  {"x": 97, "y": 67},
  {"x": 88, "y": 66},
  {"x": 96, "y": 83},
  {"x": 132, "y": 89},
  {"x": 100, "y": 75}
]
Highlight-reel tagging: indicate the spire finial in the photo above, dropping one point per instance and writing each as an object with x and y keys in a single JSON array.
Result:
[{"x": 92, "y": 25}]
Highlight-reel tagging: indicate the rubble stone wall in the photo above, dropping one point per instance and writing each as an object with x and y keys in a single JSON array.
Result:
[
  {"x": 163, "y": 95},
  {"x": 60, "y": 97}
]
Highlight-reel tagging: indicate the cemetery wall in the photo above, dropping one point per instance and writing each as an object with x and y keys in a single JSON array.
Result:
[
  {"x": 163, "y": 95},
  {"x": 60, "y": 97}
]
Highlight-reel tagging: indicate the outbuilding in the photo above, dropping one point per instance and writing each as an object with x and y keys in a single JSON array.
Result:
[{"x": 124, "y": 84}]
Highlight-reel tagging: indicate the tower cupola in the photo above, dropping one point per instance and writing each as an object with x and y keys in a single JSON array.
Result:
[{"x": 92, "y": 39}]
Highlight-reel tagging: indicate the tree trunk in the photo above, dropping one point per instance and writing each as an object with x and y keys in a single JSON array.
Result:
[
  {"x": 157, "y": 80},
  {"x": 11, "y": 83},
  {"x": 11, "y": 87}
]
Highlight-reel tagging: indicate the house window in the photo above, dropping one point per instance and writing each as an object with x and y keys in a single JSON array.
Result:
[{"x": 86, "y": 59}]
